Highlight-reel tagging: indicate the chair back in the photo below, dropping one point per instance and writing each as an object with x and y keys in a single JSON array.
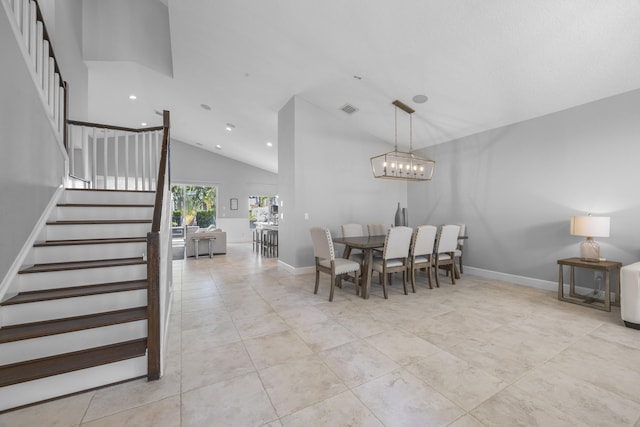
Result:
[
  {"x": 463, "y": 229},
  {"x": 322, "y": 243},
  {"x": 447, "y": 238},
  {"x": 352, "y": 230},
  {"x": 397, "y": 243},
  {"x": 377, "y": 229},
  {"x": 424, "y": 239}
]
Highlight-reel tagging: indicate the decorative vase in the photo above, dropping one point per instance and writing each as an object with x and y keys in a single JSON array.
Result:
[
  {"x": 398, "y": 219},
  {"x": 405, "y": 217}
]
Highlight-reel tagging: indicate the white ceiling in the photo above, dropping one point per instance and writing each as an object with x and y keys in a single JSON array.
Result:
[{"x": 482, "y": 63}]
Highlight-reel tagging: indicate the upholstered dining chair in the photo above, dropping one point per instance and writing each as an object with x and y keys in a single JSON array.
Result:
[
  {"x": 458, "y": 252},
  {"x": 353, "y": 230},
  {"x": 421, "y": 251},
  {"x": 327, "y": 262},
  {"x": 377, "y": 229},
  {"x": 395, "y": 257},
  {"x": 444, "y": 253}
]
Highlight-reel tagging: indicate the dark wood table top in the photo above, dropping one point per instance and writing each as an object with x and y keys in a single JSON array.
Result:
[{"x": 362, "y": 242}]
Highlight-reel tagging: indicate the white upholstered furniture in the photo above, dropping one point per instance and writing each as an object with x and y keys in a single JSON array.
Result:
[
  {"x": 630, "y": 295},
  {"x": 395, "y": 257},
  {"x": 458, "y": 252},
  {"x": 203, "y": 241},
  {"x": 327, "y": 262},
  {"x": 421, "y": 251},
  {"x": 444, "y": 253}
]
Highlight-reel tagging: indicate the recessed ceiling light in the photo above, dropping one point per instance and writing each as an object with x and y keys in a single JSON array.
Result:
[
  {"x": 132, "y": 96},
  {"x": 219, "y": 147},
  {"x": 269, "y": 144},
  {"x": 205, "y": 107},
  {"x": 230, "y": 127},
  {"x": 143, "y": 123},
  {"x": 420, "y": 99}
]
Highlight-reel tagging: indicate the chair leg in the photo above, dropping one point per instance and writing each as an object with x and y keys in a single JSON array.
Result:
[
  {"x": 429, "y": 276},
  {"x": 315, "y": 291},
  {"x": 413, "y": 280},
  {"x": 452, "y": 267},
  {"x": 356, "y": 282},
  {"x": 384, "y": 287},
  {"x": 404, "y": 282},
  {"x": 333, "y": 286},
  {"x": 436, "y": 273},
  {"x": 460, "y": 260}
]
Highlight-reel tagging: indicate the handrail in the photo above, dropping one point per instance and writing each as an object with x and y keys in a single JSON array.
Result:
[
  {"x": 122, "y": 128},
  {"x": 155, "y": 287}
]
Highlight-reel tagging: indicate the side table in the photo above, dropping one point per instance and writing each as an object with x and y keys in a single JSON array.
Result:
[
  {"x": 196, "y": 243},
  {"x": 588, "y": 301}
]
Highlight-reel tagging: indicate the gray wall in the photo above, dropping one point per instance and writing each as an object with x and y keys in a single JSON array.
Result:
[
  {"x": 192, "y": 165},
  {"x": 31, "y": 165},
  {"x": 324, "y": 171},
  {"x": 516, "y": 187}
]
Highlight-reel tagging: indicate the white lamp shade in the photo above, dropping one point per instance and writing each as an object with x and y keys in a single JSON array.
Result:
[{"x": 590, "y": 226}]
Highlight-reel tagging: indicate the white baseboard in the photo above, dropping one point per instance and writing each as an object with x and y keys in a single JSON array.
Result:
[
  {"x": 296, "y": 271},
  {"x": 512, "y": 278}
]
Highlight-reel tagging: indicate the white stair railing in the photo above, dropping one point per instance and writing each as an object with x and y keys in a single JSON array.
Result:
[
  {"x": 113, "y": 158},
  {"x": 28, "y": 25}
]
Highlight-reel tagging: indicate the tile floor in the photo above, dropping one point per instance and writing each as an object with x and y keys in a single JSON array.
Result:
[{"x": 251, "y": 345}]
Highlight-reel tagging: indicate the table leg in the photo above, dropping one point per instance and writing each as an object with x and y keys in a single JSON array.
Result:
[
  {"x": 572, "y": 282},
  {"x": 211, "y": 248},
  {"x": 366, "y": 272},
  {"x": 196, "y": 246},
  {"x": 607, "y": 290},
  {"x": 560, "y": 283}
]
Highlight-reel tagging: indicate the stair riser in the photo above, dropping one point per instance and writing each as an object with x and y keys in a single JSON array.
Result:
[
  {"x": 49, "y": 254},
  {"x": 89, "y": 276},
  {"x": 96, "y": 197},
  {"x": 72, "y": 382},
  {"x": 96, "y": 231},
  {"x": 19, "y": 351},
  {"x": 71, "y": 307},
  {"x": 71, "y": 213}
]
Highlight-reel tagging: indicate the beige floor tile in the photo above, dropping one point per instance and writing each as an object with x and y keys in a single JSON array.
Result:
[
  {"x": 205, "y": 317},
  {"x": 303, "y": 316},
  {"x": 325, "y": 335},
  {"x": 241, "y": 401},
  {"x": 214, "y": 365},
  {"x": 272, "y": 349},
  {"x": 299, "y": 383},
  {"x": 251, "y": 327},
  {"x": 64, "y": 412},
  {"x": 401, "y": 399},
  {"x": 200, "y": 339},
  {"x": 112, "y": 400},
  {"x": 454, "y": 327},
  {"x": 163, "y": 413},
  {"x": 580, "y": 399},
  {"x": 617, "y": 334},
  {"x": 363, "y": 324},
  {"x": 357, "y": 362},
  {"x": 466, "y": 421},
  {"x": 456, "y": 379},
  {"x": 402, "y": 347},
  {"x": 342, "y": 410}
]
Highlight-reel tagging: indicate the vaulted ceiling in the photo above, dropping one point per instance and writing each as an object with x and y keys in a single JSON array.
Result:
[{"x": 481, "y": 63}]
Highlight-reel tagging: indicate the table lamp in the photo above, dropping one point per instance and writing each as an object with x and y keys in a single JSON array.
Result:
[{"x": 590, "y": 227}]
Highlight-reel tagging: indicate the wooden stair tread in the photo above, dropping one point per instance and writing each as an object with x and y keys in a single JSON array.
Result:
[
  {"x": 54, "y": 365},
  {"x": 103, "y": 205},
  {"x": 99, "y": 221},
  {"x": 75, "y": 291},
  {"x": 89, "y": 241},
  {"x": 77, "y": 265},
  {"x": 70, "y": 324},
  {"x": 109, "y": 191}
]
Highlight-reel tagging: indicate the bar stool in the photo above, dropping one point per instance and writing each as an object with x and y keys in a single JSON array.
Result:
[
  {"x": 270, "y": 243},
  {"x": 257, "y": 239}
]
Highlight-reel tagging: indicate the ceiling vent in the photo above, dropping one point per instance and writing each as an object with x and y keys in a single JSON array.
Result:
[{"x": 349, "y": 109}]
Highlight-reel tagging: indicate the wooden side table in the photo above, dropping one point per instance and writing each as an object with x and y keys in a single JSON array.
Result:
[{"x": 587, "y": 301}]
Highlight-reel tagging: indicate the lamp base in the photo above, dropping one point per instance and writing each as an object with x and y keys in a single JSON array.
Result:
[{"x": 590, "y": 250}]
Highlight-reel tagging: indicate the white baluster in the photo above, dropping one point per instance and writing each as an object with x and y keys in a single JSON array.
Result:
[
  {"x": 39, "y": 49},
  {"x": 16, "y": 11},
  {"x": 24, "y": 26},
  {"x": 61, "y": 111},
  {"x": 104, "y": 160},
  {"x": 85, "y": 154},
  {"x": 45, "y": 67},
  {"x": 70, "y": 152},
  {"x": 137, "y": 160},
  {"x": 51, "y": 92},
  {"x": 32, "y": 32},
  {"x": 144, "y": 154},
  {"x": 94, "y": 171},
  {"x": 126, "y": 161},
  {"x": 56, "y": 97},
  {"x": 115, "y": 150}
]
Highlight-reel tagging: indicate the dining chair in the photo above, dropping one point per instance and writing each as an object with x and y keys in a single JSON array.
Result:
[
  {"x": 395, "y": 256},
  {"x": 421, "y": 252},
  {"x": 458, "y": 252},
  {"x": 377, "y": 229},
  {"x": 352, "y": 230},
  {"x": 444, "y": 253},
  {"x": 327, "y": 262}
]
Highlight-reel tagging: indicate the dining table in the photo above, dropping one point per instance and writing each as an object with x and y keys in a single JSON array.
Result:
[{"x": 367, "y": 244}]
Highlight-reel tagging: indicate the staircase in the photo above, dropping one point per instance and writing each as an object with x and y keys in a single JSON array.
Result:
[{"x": 79, "y": 320}]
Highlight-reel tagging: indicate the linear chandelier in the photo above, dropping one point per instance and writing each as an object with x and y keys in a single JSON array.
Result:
[{"x": 401, "y": 165}]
